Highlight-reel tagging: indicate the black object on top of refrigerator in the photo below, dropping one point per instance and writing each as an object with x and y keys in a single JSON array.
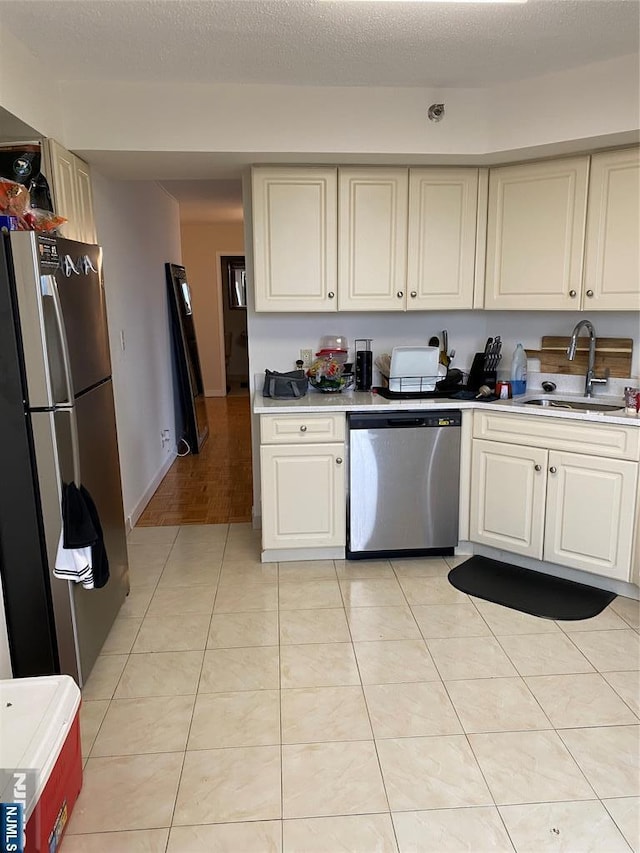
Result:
[
  {"x": 57, "y": 425},
  {"x": 183, "y": 332}
]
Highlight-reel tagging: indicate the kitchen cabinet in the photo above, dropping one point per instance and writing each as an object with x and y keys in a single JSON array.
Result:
[
  {"x": 556, "y": 490},
  {"x": 372, "y": 238},
  {"x": 302, "y": 470},
  {"x": 612, "y": 259},
  {"x": 295, "y": 238},
  {"x": 441, "y": 265},
  {"x": 535, "y": 235},
  {"x": 70, "y": 185}
]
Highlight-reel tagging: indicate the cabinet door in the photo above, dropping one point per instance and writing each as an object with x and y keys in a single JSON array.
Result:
[
  {"x": 64, "y": 188},
  {"x": 303, "y": 496},
  {"x": 508, "y": 497},
  {"x": 443, "y": 206},
  {"x": 612, "y": 260},
  {"x": 84, "y": 202},
  {"x": 535, "y": 235},
  {"x": 372, "y": 260},
  {"x": 590, "y": 513},
  {"x": 295, "y": 238}
]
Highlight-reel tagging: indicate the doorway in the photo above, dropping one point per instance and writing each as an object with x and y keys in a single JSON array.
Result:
[{"x": 234, "y": 319}]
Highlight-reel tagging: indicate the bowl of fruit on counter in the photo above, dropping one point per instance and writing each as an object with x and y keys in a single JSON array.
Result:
[{"x": 330, "y": 374}]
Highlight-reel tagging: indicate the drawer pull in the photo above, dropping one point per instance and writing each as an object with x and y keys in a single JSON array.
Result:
[
  {"x": 400, "y": 294},
  {"x": 331, "y": 294},
  {"x": 303, "y": 428},
  {"x": 553, "y": 469},
  {"x": 572, "y": 294},
  {"x": 339, "y": 460},
  {"x": 589, "y": 293},
  {"x": 537, "y": 467},
  {"x": 414, "y": 293}
]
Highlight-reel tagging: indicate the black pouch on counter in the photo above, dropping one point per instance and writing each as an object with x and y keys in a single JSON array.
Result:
[{"x": 285, "y": 386}]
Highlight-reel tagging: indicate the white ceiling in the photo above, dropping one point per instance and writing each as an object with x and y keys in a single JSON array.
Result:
[
  {"x": 317, "y": 43},
  {"x": 306, "y": 42}
]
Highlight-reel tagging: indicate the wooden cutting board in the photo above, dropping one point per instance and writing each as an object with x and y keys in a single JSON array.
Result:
[{"x": 612, "y": 353}]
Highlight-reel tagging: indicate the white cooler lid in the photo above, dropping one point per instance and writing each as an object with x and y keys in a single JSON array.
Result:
[{"x": 35, "y": 717}]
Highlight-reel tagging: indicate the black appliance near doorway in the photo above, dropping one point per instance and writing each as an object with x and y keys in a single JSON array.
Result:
[{"x": 195, "y": 428}]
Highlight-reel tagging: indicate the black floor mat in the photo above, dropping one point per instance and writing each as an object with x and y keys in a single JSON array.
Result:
[{"x": 528, "y": 591}]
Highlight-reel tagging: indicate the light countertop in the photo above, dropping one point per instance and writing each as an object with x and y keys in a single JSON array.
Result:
[{"x": 366, "y": 401}]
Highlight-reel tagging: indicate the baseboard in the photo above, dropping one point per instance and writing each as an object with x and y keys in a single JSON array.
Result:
[
  {"x": 283, "y": 555},
  {"x": 139, "y": 508}
]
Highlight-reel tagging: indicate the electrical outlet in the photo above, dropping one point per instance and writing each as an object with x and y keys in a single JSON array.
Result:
[
  {"x": 165, "y": 436},
  {"x": 307, "y": 357}
]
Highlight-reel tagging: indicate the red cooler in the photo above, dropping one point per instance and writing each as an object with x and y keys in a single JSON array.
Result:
[{"x": 39, "y": 721}]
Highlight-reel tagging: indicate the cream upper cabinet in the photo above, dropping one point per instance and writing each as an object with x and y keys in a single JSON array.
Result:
[
  {"x": 84, "y": 203},
  {"x": 443, "y": 208},
  {"x": 612, "y": 259},
  {"x": 372, "y": 238},
  {"x": 70, "y": 180},
  {"x": 535, "y": 235},
  {"x": 295, "y": 238},
  {"x": 508, "y": 497},
  {"x": 590, "y": 513}
]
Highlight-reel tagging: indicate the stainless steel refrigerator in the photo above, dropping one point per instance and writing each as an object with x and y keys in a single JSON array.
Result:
[{"x": 57, "y": 425}]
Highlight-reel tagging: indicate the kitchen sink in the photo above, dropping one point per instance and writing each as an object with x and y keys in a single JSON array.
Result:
[{"x": 577, "y": 405}]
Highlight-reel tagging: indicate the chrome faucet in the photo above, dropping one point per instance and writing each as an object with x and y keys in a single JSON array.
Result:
[{"x": 590, "y": 379}]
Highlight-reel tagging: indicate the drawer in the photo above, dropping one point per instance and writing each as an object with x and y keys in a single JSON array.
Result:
[
  {"x": 599, "y": 439},
  {"x": 302, "y": 429}
]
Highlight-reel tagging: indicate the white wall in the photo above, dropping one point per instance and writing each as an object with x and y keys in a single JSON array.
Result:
[
  {"x": 590, "y": 102},
  {"x": 139, "y": 229},
  {"x": 5, "y": 656}
]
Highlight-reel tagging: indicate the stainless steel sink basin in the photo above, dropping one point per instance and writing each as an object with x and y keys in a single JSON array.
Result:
[{"x": 577, "y": 405}]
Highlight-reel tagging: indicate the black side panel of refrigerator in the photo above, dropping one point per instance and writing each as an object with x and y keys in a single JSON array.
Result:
[{"x": 23, "y": 561}]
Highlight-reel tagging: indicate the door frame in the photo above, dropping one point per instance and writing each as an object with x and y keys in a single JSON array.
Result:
[{"x": 222, "y": 391}]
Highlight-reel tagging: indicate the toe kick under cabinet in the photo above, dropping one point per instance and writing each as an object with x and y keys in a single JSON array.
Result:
[
  {"x": 563, "y": 491},
  {"x": 303, "y": 470}
]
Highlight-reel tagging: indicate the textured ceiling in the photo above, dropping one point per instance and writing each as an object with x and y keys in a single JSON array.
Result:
[
  {"x": 207, "y": 201},
  {"x": 316, "y": 43}
]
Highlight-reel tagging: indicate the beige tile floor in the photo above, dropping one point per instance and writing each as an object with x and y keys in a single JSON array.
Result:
[{"x": 333, "y": 707}]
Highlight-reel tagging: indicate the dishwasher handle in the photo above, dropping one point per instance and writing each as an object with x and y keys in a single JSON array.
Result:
[{"x": 405, "y": 422}]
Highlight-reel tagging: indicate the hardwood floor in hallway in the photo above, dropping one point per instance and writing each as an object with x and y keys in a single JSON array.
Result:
[{"x": 215, "y": 485}]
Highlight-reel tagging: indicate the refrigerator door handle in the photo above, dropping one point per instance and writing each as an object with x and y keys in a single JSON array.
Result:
[
  {"x": 52, "y": 292},
  {"x": 68, "y": 455}
]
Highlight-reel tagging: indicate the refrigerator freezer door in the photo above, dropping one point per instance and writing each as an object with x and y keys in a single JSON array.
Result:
[{"x": 84, "y": 311}]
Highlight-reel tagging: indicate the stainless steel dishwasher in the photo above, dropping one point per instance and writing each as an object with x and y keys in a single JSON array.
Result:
[{"x": 404, "y": 474}]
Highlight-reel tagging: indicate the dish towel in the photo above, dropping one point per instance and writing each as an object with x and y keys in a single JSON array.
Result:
[{"x": 81, "y": 556}]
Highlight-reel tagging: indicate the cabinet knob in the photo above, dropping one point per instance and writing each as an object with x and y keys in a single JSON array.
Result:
[
  {"x": 589, "y": 293},
  {"x": 572, "y": 294},
  {"x": 414, "y": 293},
  {"x": 331, "y": 294},
  {"x": 537, "y": 467},
  {"x": 303, "y": 428},
  {"x": 338, "y": 460},
  {"x": 553, "y": 469},
  {"x": 400, "y": 294}
]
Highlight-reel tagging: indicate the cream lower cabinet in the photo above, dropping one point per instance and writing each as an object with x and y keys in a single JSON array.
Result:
[
  {"x": 303, "y": 469},
  {"x": 508, "y": 497},
  {"x": 542, "y": 501}
]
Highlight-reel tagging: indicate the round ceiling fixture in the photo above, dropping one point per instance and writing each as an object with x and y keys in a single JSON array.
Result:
[{"x": 435, "y": 112}]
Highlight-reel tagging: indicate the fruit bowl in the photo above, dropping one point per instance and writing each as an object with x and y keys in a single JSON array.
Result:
[{"x": 327, "y": 375}]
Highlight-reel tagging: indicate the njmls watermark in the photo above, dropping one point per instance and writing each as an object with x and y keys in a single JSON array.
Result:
[{"x": 17, "y": 787}]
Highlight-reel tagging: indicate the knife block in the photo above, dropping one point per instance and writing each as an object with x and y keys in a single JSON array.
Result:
[{"x": 478, "y": 375}]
